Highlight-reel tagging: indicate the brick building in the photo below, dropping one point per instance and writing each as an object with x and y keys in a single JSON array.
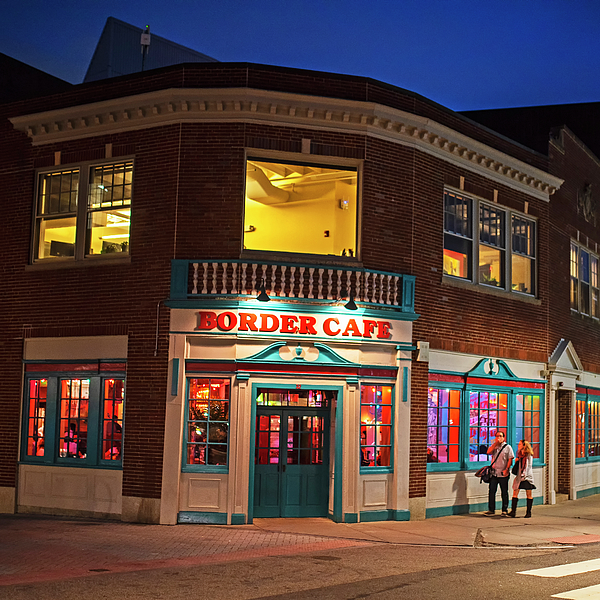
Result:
[{"x": 236, "y": 291}]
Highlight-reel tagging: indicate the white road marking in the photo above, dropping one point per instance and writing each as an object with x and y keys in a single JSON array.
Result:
[
  {"x": 587, "y": 593},
  {"x": 569, "y": 569}
]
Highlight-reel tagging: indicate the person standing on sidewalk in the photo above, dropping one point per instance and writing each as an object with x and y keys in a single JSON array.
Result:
[
  {"x": 524, "y": 478},
  {"x": 502, "y": 455}
]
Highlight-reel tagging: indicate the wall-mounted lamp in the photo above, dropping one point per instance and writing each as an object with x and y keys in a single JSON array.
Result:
[
  {"x": 351, "y": 305},
  {"x": 262, "y": 293}
]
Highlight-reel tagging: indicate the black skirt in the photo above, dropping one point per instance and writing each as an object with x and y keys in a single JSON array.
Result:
[{"x": 526, "y": 485}]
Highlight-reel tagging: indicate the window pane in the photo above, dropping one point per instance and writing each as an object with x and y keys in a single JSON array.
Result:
[
  {"x": 491, "y": 226},
  {"x": 376, "y": 421},
  {"x": 491, "y": 266},
  {"x": 73, "y": 426},
  {"x": 109, "y": 198},
  {"x": 108, "y": 231},
  {"x": 208, "y": 421},
  {"x": 522, "y": 274},
  {"x": 458, "y": 243},
  {"x": 112, "y": 419},
  {"x": 300, "y": 208},
  {"x": 36, "y": 418},
  {"x": 574, "y": 277},
  {"x": 584, "y": 281},
  {"x": 55, "y": 237},
  {"x": 528, "y": 408}
]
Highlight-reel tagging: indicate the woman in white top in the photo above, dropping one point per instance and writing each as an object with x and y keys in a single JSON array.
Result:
[{"x": 524, "y": 477}]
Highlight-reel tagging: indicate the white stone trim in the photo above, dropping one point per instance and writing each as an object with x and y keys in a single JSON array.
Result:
[{"x": 165, "y": 107}]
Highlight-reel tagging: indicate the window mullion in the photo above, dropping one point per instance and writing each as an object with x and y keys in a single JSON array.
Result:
[
  {"x": 51, "y": 427},
  {"x": 82, "y": 205},
  {"x": 476, "y": 236},
  {"x": 94, "y": 421}
]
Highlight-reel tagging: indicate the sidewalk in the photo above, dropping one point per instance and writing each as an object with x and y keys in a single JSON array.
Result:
[
  {"x": 570, "y": 522},
  {"x": 37, "y": 548}
]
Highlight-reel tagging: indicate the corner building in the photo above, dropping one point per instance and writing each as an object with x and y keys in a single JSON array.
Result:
[{"x": 240, "y": 291}]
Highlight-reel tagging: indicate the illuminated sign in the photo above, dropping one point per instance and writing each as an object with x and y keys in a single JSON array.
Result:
[{"x": 304, "y": 325}]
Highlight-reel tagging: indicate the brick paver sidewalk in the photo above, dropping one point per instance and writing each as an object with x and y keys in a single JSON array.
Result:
[{"x": 34, "y": 549}]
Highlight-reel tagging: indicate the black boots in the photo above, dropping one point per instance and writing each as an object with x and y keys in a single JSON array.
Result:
[
  {"x": 513, "y": 512},
  {"x": 529, "y": 505}
]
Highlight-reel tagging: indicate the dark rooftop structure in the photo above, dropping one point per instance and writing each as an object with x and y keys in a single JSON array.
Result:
[
  {"x": 532, "y": 125},
  {"x": 20, "y": 81},
  {"x": 119, "y": 52}
]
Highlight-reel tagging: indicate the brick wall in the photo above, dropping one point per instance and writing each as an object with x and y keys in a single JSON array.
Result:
[{"x": 563, "y": 484}]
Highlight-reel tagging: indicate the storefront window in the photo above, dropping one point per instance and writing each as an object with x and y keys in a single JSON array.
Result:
[
  {"x": 208, "y": 422},
  {"x": 376, "y": 425},
  {"x": 580, "y": 428},
  {"x": 74, "y": 420},
  {"x": 443, "y": 426},
  {"x": 488, "y": 413}
]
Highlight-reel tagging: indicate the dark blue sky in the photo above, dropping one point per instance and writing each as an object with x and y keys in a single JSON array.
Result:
[{"x": 464, "y": 54}]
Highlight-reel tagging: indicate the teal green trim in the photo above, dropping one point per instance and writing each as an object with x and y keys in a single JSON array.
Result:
[
  {"x": 408, "y": 293},
  {"x": 350, "y": 518},
  {"x": 339, "y": 457},
  {"x": 207, "y": 518},
  {"x": 463, "y": 509},
  {"x": 179, "y": 279},
  {"x": 242, "y": 376},
  {"x": 377, "y": 515},
  {"x": 589, "y": 492},
  {"x": 175, "y": 377},
  {"x": 484, "y": 368},
  {"x": 372, "y": 470},
  {"x": 459, "y": 385},
  {"x": 326, "y": 355},
  {"x": 443, "y": 467},
  {"x": 405, "y": 384},
  {"x": 238, "y": 519},
  {"x": 352, "y": 380},
  {"x": 400, "y": 515}
]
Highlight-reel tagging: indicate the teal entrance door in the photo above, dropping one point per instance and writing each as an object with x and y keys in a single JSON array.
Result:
[{"x": 291, "y": 471}]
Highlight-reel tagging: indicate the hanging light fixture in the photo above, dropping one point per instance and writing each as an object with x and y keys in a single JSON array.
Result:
[
  {"x": 262, "y": 293},
  {"x": 351, "y": 305}
]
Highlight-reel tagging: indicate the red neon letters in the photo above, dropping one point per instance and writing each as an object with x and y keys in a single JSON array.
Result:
[{"x": 294, "y": 324}]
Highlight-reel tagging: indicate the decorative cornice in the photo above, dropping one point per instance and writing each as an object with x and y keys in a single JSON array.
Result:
[{"x": 229, "y": 105}]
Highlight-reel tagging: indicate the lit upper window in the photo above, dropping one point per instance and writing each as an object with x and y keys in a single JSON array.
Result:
[
  {"x": 309, "y": 209},
  {"x": 70, "y": 225}
]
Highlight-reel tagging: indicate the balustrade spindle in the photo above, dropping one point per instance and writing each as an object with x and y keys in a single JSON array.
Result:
[
  {"x": 224, "y": 278},
  {"x": 234, "y": 279},
  {"x": 205, "y": 278},
  {"x": 195, "y": 282}
]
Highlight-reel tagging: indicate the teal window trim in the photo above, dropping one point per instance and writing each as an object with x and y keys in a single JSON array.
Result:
[
  {"x": 186, "y": 468},
  {"x": 52, "y": 435},
  {"x": 464, "y": 464},
  {"x": 365, "y": 470}
]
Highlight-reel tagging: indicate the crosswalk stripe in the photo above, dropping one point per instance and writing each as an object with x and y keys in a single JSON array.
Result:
[
  {"x": 587, "y": 593},
  {"x": 569, "y": 569}
]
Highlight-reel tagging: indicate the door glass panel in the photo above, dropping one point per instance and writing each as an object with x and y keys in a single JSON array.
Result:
[
  {"x": 304, "y": 440},
  {"x": 267, "y": 439}
]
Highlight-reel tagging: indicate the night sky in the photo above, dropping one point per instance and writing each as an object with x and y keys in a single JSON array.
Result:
[{"x": 463, "y": 54}]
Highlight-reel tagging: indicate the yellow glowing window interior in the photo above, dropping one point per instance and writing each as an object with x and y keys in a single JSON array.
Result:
[{"x": 299, "y": 208}]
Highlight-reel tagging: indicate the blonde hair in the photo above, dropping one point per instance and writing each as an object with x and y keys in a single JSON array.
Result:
[{"x": 527, "y": 449}]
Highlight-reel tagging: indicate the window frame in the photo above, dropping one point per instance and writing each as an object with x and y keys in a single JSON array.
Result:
[
  {"x": 328, "y": 162},
  {"x": 81, "y": 213},
  {"x": 582, "y": 283},
  {"x": 511, "y": 428},
  {"x": 52, "y": 434},
  {"x": 367, "y": 469},
  {"x": 205, "y": 468},
  {"x": 505, "y": 243}
]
